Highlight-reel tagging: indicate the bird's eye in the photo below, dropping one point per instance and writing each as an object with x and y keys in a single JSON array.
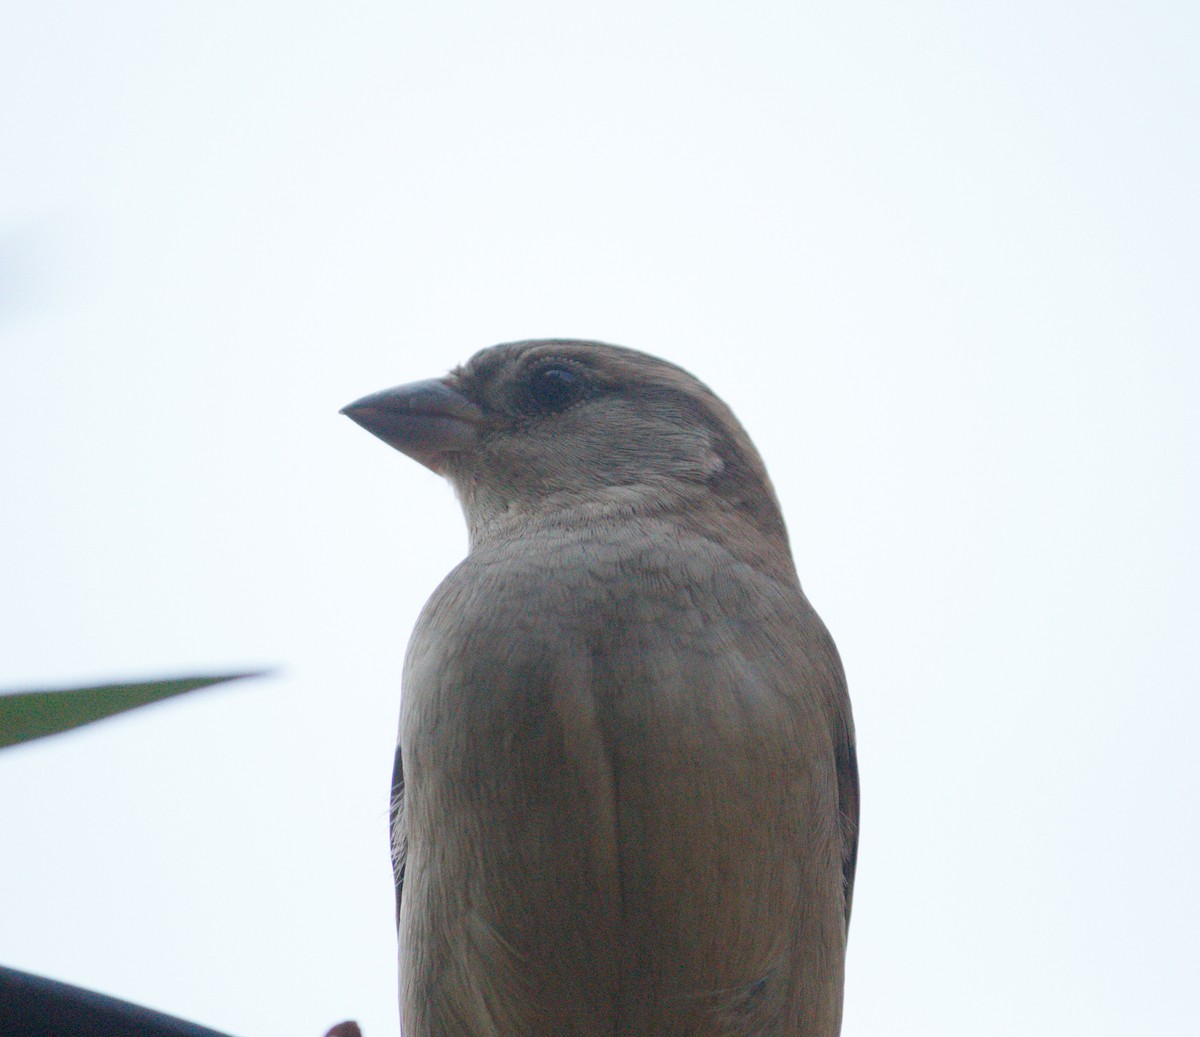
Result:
[{"x": 552, "y": 389}]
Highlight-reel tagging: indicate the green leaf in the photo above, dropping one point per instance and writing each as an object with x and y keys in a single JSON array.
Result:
[{"x": 25, "y": 715}]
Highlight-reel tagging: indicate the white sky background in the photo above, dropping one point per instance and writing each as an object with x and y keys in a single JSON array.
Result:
[{"x": 941, "y": 258}]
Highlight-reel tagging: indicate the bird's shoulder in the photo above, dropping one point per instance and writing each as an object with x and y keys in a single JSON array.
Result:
[
  {"x": 558, "y": 570},
  {"x": 617, "y": 589}
]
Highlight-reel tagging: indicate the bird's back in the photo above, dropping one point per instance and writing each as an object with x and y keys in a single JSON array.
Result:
[{"x": 620, "y": 752}]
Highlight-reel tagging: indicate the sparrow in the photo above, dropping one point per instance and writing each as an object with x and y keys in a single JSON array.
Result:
[{"x": 625, "y": 797}]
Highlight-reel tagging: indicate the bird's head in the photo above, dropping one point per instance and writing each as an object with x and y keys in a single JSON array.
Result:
[{"x": 529, "y": 429}]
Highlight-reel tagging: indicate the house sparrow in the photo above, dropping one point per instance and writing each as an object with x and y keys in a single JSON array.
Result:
[{"x": 626, "y": 795}]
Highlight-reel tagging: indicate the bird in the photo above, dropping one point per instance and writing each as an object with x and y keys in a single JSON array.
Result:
[{"x": 625, "y": 799}]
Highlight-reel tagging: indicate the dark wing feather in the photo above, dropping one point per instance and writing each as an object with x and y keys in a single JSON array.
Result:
[
  {"x": 399, "y": 830},
  {"x": 847, "y": 775}
]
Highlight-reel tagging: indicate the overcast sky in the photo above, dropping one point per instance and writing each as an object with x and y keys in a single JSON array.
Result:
[{"x": 941, "y": 258}]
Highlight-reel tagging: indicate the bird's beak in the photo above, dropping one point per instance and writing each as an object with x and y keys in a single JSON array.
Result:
[{"x": 428, "y": 421}]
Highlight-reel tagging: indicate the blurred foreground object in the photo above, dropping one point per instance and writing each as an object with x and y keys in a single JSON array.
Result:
[{"x": 33, "y": 1006}]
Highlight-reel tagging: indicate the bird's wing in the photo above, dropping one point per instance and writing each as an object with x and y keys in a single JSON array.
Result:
[
  {"x": 399, "y": 829},
  {"x": 847, "y": 776}
]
